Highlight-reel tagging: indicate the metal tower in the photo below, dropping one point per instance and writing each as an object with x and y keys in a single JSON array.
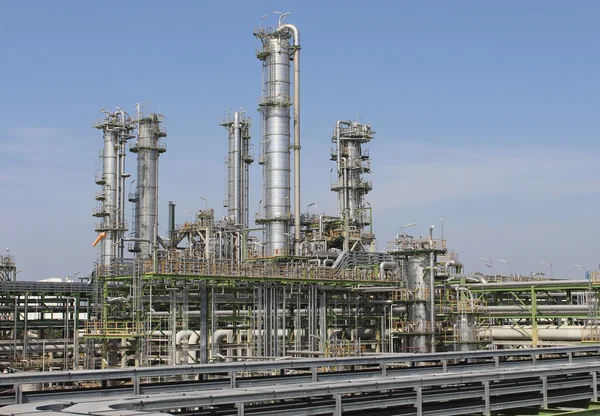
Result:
[
  {"x": 148, "y": 148},
  {"x": 116, "y": 128},
  {"x": 275, "y": 107},
  {"x": 239, "y": 158},
  {"x": 351, "y": 161}
]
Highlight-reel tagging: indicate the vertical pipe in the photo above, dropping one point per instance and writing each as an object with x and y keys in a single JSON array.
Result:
[
  {"x": 120, "y": 205},
  {"x": 246, "y": 171},
  {"x": 237, "y": 172},
  {"x": 203, "y": 324},
  {"x": 171, "y": 234},
  {"x": 296, "y": 139},
  {"x": 296, "y": 104},
  {"x": 230, "y": 163},
  {"x": 432, "y": 297}
]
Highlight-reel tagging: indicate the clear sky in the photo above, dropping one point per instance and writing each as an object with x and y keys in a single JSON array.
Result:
[{"x": 486, "y": 115}]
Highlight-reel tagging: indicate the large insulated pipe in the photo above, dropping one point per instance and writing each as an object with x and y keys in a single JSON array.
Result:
[
  {"x": 230, "y": 163},
  {"x": 549, "y": 309},
  {"x": 237, "y": 168},
  {"x": 509, "y": 285},
  {"x": 296, "y": 37},
  {"x": 171, "y": 234},
  {"x": 522, "y": 333},
  {"x": 432, "y": 288}
]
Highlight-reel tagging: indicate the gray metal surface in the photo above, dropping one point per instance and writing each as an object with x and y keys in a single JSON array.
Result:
[
  {"x": 351, "y": 163},
  {"x": 46, "y": 288},
  {"x": 444, "y": 393},
  {"x": 213, "y": 381},
  {"x": 109, "y": 158},
  {"x": 275, "y": 108},
  {"x": 237, "y": 170},
  {"x": 148, "y": 149},
  {"x": 418, "y": 311},
  {"x": 320, "y": 363}
]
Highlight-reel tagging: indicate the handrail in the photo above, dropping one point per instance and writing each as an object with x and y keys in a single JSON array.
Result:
[{"x": 317, "y": 363}]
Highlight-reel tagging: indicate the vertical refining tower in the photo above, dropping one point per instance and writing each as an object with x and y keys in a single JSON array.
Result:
[
  {"x": 276, "y": 53},
  {"x": 351, "y": 162},
  {"x": 239, "y": 158},
  {"x": 148, "y": 147},
  {"x": 116, "y": 128}
]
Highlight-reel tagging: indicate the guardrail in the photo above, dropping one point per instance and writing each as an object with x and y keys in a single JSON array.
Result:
[
  {"x": 315, "y": 367},
  {"x": 110, "y": 328}
]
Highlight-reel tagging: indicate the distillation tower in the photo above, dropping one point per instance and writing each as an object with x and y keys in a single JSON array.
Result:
[
  {"x": 239, "y": 159},
  {"x": 116, "y": 128},
  {"x": 351, "y": 162},
  {"x": 276, "y": 54},
  {"x": 148, "y": 148}
]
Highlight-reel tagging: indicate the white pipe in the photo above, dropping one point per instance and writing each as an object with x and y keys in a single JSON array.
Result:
[
  {"x": 321, "y": 226},
  {"x": 540, "y": 308},
  {"x": 551, "y": 333},
  {"x": 219, "y": 335},
  {"x": 296, "y": 36},
  {"x": 387, "y": 265},
  {"x": 179, "y": 338},
  {"x": 362, "y": 333}
]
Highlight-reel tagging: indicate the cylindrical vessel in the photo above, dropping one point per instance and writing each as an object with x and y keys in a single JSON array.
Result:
[
  {"x": 275, "y": 107},
  {"x": 466, "y": 332},
  {"x": 148, "y": 149},
  {"x": 419, "y": 309},
  {"x": 352, "y": 162},
  {"x": 237, "y": 168},
  {"x": 247, "y": 158},
  {"x": 109, "y": 205}
]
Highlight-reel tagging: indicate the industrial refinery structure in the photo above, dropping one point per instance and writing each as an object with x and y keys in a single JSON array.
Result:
[{"x": 289, "y": 284}]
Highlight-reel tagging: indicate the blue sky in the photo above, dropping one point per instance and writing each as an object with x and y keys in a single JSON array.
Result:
[{"x": 486, "y": 115}]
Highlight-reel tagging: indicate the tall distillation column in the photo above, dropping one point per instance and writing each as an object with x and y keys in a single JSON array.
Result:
[
  {"x": 247, "y": 159},
  {"x": 116, "y": 128},
  {"x": 275, "y": 108},
  {"x": 239, "y": 158},
  {"x": 148, "y": 148},
  {"x": 351, "y": 162},
  {"x": 419, "y": 309}
]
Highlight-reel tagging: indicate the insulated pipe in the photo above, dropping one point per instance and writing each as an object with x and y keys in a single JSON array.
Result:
[
  {"x": 121, "y": 182},
  {"x": 387, "y": 265},
  {"x": 171, "y": 234},
  {"x": 296, "y": 36},
  {"x": 180, "y": 337},
  {"x": 508, "y": 285},
  {"x": 237, "y": 175},
  {"x": 551, "y": 333},
  {"x": 194, "y": 340},
  {"x": 432, "y": 289},
  {"x": 540, "y": 308},
  {"x": 474, "y": 278},
  {"x": 321, "y": 226}
]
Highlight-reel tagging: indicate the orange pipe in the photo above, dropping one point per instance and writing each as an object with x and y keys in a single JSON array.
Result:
[{"x": 101, "y": 236}]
